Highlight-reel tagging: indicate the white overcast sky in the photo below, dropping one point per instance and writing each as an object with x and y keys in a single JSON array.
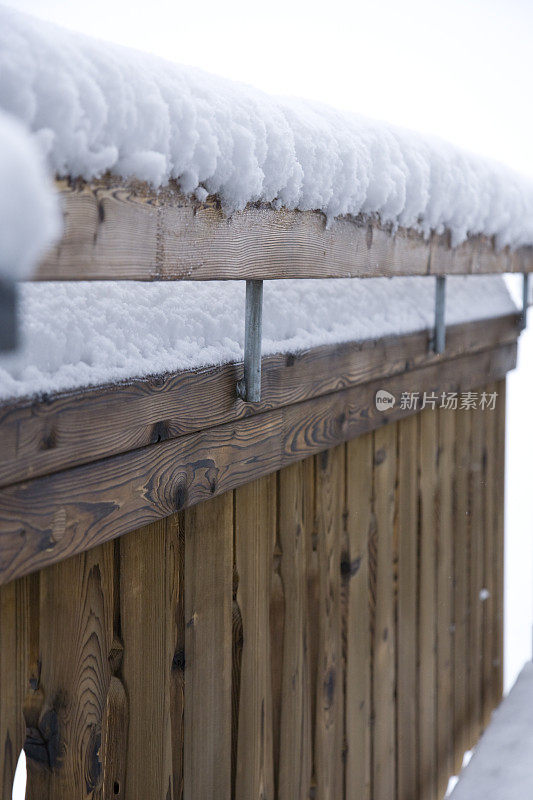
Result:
[{"x": 460, "y": 69}]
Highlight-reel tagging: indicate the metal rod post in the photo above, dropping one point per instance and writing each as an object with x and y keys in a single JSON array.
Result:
[
  {"x": 525, "y": 300},
  {"x": 8, "y": 315},
  {"x": 249, "y": 389},
  {"x": 439, "y": 341}
]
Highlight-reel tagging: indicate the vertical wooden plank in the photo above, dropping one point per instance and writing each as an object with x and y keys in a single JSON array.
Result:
[
  {"x": 277, "y": 636},
  {"x": 407, "y": 620},
  {"x": 19, "y": 630},
  {"x": 460, "y": 545},
  {"x": 428, "y": 603},
  {"x": 295, "y": 504},
  {"x": 384, "y": 757},
  {"x": 329, "y": 684},
  {"x": 208, "y": 583},
  {"x": 313, "y": 606},
  {"x": 359, "y": 460},
  {"x": 498, "y": 533},
  {"x": 149, "y": 581},
  {"x": 476, "y": 576},
  {"x": 489, "y": 487},
  {"x": 76, "y": 640},
  {"x": 255, "y": 522},
  {"x": 446, "y": 465}
]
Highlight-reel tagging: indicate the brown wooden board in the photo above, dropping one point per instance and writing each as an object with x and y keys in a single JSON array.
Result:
[
  {"x": 489, "y": 600},
  {"x": 475, "y": 621},
  {"x": 19, "y": 670},
  {"x": 461, "y": 573},
  {"x": 76, "y": 638},
  {"x": 255, "y": 523},
  {"x": 122, "y": 230},
  {"x": 444, "y": 688},
  {"x": 150, "y": 580},
  {"x": 498, "y": 533},
  {"x": 328, "y": 733},
  {"x": 295, "y": 521},
  {"x": 43, "y": 436},
  {"x": 407, "y": 617},
  {"x": 427, "y": 620},
  {"x": 359, "y": 471},
  {"x": 383, "y": 633},
  {"x": 208, "y": 586},
  {"x": 50, "y": 518}
]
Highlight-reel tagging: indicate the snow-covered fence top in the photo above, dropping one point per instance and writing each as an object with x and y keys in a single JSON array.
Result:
[{"x": 95, "y": 108}]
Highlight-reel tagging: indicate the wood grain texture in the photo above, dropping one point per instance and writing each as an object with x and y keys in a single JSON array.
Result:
[
  {"x": 328, "y": 744},
  {"x": 407, "y": 617},
  {"x": 461, "y": 573},
  {"x": 208, "y": 584},
  {"x": 477, "y": 523},
  {"x": 295, "y": 520},
  {"x": 383, "y": 658},
  {"x": 302, "y": 591},
  {"x": 444, "y": 555},
  {"x": 122, "y": 230},
  {"x": 498, "y": 533},
  {"x": 50, "y": 518},
  {"x": 359, "y": 471},
  {"x": 255, "y": 523},
  {"x": 149, "y": 583},
  {"x": 489, "y": 601},
  {"x": 66, "y": 430},
  {"x": 76, "y": 634},
  {"x": 427, "y": 621},
  {"x": 19, "y": 669}
]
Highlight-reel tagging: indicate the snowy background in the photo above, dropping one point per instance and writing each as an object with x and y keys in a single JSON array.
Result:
[{"x": 457, "y": 69}]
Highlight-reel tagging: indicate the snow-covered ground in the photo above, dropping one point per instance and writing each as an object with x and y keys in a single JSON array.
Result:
[{"x": 501, "y": 767}]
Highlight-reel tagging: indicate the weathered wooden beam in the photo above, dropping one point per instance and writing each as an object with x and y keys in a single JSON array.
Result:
[
  {"x": 118, "y": 230},
  {"x": 50, "y": 434},
  {"x": 47, "y": 519}
]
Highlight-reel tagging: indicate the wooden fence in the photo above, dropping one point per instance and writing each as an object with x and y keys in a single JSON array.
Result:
[
  {"x": 299, "y": 598},
  {"x": 329, "y": 630}
]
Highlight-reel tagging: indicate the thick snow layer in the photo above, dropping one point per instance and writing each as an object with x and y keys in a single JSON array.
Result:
[
  {"x": 502, "y": 765},
  {"x": 80, "y": 334},
  {"x": 97, "y": 107},
  {"x": 29, "y": 211}
]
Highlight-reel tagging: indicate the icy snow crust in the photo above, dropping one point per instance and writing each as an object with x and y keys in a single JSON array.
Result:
[
  {"x": 98, "y": 107},
  {"x": 502, "y": 765},
  {"x": 81, "y": 334},
  {"x": 29, "y": 212}
]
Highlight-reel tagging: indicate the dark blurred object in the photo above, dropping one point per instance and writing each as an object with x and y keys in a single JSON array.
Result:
[{"x": 8, "y": 316}]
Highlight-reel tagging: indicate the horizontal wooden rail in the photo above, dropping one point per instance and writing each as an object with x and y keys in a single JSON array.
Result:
[
  {"x": 50, "y": 518},
  {"x": 66, "y": 430},
  {"x": 117, "y": 230}
]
